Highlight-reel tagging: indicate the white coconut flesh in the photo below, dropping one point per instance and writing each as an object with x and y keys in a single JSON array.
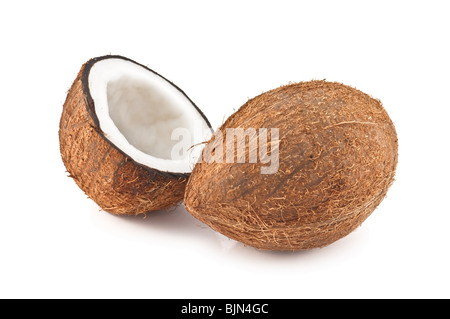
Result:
[{"x": 146, "y": 117}]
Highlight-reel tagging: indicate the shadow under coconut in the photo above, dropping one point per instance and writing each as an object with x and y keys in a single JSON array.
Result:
[
  {"x": 178, "y": 221},
  {"x": 173, "y": 220}
]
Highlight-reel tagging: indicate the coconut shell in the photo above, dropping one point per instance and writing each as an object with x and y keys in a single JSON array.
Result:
[
  {"x": 106, "y": 174},
  {"x": 337, "y": 159}
]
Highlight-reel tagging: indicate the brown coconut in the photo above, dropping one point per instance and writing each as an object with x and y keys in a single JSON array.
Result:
[
  {"x": 337, "y": 159},
  {"x": 112, "y": 178}
]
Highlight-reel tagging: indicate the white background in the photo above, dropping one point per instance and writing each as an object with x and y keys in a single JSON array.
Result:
[{"x": 54, "y": 242}]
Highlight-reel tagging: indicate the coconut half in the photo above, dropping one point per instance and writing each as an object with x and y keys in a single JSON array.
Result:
[{"x": 126, "y": 134}]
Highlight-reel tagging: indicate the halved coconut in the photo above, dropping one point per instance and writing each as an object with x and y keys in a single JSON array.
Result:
[{"x": 117, "y": 136}]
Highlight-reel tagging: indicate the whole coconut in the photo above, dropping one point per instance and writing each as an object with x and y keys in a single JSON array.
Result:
[{"x": 337, "y": 158}]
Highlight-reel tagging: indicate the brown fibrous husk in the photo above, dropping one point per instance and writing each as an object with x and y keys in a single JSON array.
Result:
[
  {"x": 337, "y": 158},
  {"x": 107, "y": 175}
]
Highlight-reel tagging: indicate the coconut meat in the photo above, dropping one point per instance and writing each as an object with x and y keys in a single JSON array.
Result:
[{"x": 146, "y": 116}]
